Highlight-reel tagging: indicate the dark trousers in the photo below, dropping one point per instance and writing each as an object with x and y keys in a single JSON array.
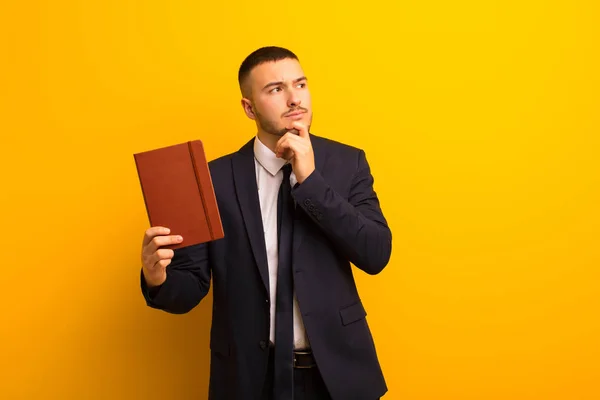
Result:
[{"x": 308, "y": 384}]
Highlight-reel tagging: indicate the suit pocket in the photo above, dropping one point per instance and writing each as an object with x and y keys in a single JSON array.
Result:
[{"x": 352, "y": 313}]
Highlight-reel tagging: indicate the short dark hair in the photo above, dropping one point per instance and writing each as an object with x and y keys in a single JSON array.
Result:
[{"x": 262, "y": 55}]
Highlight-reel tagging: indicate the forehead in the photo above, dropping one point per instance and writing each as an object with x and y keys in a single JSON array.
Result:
[{"x": 275, "y": 71}]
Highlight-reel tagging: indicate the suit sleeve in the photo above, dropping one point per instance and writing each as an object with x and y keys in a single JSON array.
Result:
[
  {"x": 187, "y": 283},
  {"x": 356, "y": 226}
]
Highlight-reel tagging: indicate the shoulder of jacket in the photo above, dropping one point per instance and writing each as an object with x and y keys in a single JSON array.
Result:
[{"x": 335, "y": 145}]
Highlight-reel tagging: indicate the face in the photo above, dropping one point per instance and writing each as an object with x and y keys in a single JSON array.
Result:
[{"x": 278, "y": 96}]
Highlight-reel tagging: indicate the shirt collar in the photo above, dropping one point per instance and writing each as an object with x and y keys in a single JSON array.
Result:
[{"x": 267, "y": 158}]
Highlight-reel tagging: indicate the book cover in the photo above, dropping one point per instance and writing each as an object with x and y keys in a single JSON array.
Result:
[{"x": 178, "y": 192}]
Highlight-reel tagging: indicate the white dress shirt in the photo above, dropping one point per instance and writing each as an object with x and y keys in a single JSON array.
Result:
[{"x": 268, "y": 180}]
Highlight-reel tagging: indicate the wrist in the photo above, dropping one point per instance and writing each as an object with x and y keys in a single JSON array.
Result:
[
  {"x": 153, "y": 281},
  {"x": 302, "y": 177}
]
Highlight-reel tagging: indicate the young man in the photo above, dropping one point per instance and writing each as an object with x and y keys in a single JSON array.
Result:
[{"x": 297, "y": 209}]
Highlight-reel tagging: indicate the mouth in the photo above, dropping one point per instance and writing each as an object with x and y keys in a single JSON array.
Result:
[{"x": 295, "y": 114}]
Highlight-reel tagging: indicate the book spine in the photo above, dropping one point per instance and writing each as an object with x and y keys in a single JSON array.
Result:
[{"x": 194, "y": 156}]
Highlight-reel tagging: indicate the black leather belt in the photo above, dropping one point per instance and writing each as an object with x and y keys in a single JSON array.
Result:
[{"x": 304, "y": 359}]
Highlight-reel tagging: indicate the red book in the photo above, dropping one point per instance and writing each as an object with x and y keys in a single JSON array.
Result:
[{"x": 178, "y": 192}]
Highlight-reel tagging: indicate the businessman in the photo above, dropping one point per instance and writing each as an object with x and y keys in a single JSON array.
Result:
[{"x": 297, "y": 209}]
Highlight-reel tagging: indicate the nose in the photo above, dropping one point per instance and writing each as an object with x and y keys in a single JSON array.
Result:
[{"x": 293, "y": 100}]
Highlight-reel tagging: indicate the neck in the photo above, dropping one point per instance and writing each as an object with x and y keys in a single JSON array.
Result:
[{"x": 268, "y": 139}]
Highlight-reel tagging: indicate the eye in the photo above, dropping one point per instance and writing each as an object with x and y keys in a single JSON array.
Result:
[
  {"x": 302, "y": 85},
  {"x": 277, "y": 88}
]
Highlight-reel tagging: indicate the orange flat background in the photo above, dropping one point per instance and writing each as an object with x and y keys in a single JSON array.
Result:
[{"x": 481, "y": 123}]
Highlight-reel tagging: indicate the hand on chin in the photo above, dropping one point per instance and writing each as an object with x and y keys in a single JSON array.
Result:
[{"x": 296, "y": 147}]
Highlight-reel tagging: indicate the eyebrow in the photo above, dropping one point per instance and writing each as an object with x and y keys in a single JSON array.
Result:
[{"x": 268, "y": 85}]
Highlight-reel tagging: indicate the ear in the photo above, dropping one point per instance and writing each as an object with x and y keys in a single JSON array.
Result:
[{"x": 248, "y": 109}]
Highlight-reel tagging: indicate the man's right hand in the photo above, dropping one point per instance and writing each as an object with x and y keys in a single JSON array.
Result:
[{"x": 154, "y": 259}]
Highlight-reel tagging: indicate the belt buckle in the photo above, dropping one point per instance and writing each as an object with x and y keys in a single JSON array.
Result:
[{"x": 302, "y": 352}]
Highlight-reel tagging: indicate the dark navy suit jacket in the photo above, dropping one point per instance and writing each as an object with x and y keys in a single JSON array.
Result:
[{"x": 338, "y": 222}]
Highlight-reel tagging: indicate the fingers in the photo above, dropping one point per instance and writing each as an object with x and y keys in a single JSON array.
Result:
[
  {"x": 289, "y": 146},
  {"x": 152, "y": 232},
  {"x": 301, "y": 129},
  {"x": 157, "y": 259},
  {"x": 297, "y": 132},
  {"x": 155, "y": 238},
  {"x": 284, "y": 141},
  {"x": 285, "y": 152},
  {"x": 161, "y": 258},
  {"x": 159, "y": 241},
  {"x": 161, "y": 264}
]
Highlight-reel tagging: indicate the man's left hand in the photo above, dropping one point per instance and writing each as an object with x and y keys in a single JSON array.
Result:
[{"x": 298, "y": 150}]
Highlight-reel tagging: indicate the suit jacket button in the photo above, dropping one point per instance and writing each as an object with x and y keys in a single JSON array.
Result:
[
  {"x": 307, "y": 202},
  {"x": 263, "y": 344}
]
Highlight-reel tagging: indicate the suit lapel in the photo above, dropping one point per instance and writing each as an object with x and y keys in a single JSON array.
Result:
[
  {"x": 244, "y": 176},
  {"x": 300, "y": 230}
]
